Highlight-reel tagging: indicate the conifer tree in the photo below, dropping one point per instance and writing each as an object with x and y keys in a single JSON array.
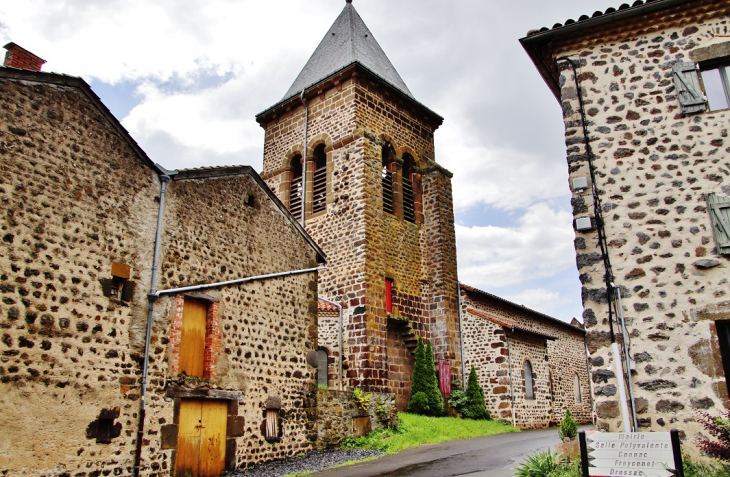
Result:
[
  {"x": 475, "y": 407},
  {"x": 435, "y": 399},
  {"x": 425, "y": 395}
]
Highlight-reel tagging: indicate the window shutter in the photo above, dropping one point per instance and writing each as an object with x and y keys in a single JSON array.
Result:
[
  {"x": 687, "y": 84},
  {"x": 720, "y": 216}
]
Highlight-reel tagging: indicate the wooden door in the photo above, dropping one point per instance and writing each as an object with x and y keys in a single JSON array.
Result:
[
  {"x": 201, "y": 442},
  {"x": 192, "y": 338}
]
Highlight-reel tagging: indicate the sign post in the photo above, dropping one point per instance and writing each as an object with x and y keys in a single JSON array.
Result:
[{"x": 631, "y": 454}]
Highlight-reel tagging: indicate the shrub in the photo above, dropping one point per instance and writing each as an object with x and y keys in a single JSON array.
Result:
[
  {"x": 538, "y": 465},
  {"x": 568, "y": 427},
  {"x": 387, "y": 414},
  {"x": 718, "y": 427},
  {"x": 425, "y": 395},
  {"x": 361, "y": 400},
  {"x": 474, "y": 407},
  {"x": 693, "y": 468}
]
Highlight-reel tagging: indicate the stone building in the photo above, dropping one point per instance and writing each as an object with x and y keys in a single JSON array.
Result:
[
  {"x": 644, "y": 93},
  {"x": 350, "y": 151},
  {"x": 96, "y": 369},
  {"x": 531, "y": 366}
]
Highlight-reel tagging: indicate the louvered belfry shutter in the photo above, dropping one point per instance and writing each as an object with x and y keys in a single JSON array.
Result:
[
  {"x": 687, "y": 83},
  {"x": 719, "y": 207}
]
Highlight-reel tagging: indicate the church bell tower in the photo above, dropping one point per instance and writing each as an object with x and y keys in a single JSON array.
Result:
[{"x": 350, "y": 152}]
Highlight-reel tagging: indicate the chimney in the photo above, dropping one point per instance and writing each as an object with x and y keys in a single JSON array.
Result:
[{"x": 18, "y": 57}]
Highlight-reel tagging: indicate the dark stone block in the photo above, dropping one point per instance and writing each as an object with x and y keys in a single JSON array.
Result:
[
  {"x": 168, "y": 436},
  {"x": 701, "y": 403},
  {"x": 597, "y": 361},
  {"x": 667, "y": 405},
  {"x": 641, "y": 405},
  {"x": 608, "y": 409},
  {"x": 236, "y": 426},
  {"x": 602, "y": 376},
  {"x": 609, "y": 390},
  {"x": 642, "y": 357},
  {"x": 657, "y": 384}
]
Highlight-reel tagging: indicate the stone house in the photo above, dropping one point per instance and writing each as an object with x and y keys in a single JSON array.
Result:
[
  {"x": 644, "y": 94},
  {"x": 101, "y": 375},
  {"x": 531, "y": 366}
]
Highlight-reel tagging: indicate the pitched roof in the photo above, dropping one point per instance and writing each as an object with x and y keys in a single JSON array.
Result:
[
  {"x": 536, "y": 40},
  {"x": 507, "y": 323},
  {"x": 348, "y": 41},
  {"x": 534, "y": 313},
  {"x": 325, "y": 306}
]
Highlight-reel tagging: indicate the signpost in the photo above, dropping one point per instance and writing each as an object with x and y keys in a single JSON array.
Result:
[{"x": 631, "y": 454}]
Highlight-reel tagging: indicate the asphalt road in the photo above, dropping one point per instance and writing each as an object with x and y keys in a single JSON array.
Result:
[{"x": 492, "y": 456}]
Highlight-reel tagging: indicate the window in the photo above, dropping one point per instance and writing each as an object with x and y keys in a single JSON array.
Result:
[
  {"x": 319, "y": 181},
  {"x": 295, "y": 187},
  {"x": 271, "y": 427},
  {"x": 576, "y": 385},
  {"x": 717, "y": 85},
  {"x": 529, "y": 387},
  {"x": 387, "y": 171},
  {"x": 409, "y": 193},
  {"x": 195, "y": 335},
  {"x": 322, "y": 370},
  {"x": 719, "y": 209},
  {"x": 389, "y": 296}
]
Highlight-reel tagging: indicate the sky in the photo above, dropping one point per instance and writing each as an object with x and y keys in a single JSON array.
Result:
[{"x": 186, "y": 79}]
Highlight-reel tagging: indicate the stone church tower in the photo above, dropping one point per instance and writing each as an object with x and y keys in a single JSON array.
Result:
[{"x": 351, "y": 149}]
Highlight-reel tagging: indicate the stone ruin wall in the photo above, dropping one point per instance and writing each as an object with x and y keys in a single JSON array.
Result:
[
  {"x": 337, "y": 411},
  {"x": 362, "y": 244},
  {"x": 654, "y": 169},
  {"x": 555, "y": 364},
  {"x": 75, "y": 199}
]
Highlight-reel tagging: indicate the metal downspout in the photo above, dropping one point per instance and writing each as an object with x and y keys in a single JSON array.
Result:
[
  {"x": 511, "y": 384},
  {"x": 620, "y": 313},
  {"x": 339, "y": 332},
  {"x": 461, "y": 337},
  {"x": 598, "y": 217},
  {"x": 152, "y": 297},
  {"x": 304, "y": 158}
]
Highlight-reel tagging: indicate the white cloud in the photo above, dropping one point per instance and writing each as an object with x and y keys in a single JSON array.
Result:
[
  {"x": 539, "y": 246},
  {"x": 539, "y": 299},
  {"x": 501, "y": 176}
]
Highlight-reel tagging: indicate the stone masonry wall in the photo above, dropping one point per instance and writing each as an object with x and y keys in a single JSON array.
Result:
[
  {"x": 336, "y": 412},
  {"x": 75, "y": 199},
  {"x": 654, "y": 168},
  {"x": 328, "y": 323},
  {"x": 555, "y": 362},
  {"x": 267, "y": 327}
]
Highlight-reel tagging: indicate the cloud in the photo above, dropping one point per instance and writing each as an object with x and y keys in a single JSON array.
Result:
[
  {"x": 539, "y": 299},
  {"x": 539, "y": 246}
]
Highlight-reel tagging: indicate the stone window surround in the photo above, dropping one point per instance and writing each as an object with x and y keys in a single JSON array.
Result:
[
  {"x": 396, "y": 166},
  {"x": 212, "y": 333},
  {"x": 712, "y": 55}
]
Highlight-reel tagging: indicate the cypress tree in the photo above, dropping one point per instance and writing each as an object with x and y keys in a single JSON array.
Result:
[
  {"x": 419, "y": 398},
  {"x": 475, "y": 407},
  {"x": 435, "y": 399}
]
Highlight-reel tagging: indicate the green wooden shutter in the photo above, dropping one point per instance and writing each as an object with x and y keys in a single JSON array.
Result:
[
  {"x": 719, "y": 207},
  {"x": 687, "y": 84}
]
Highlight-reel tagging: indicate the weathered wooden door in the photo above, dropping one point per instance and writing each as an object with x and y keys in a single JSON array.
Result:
[
  {"x": 201, "y": 442},
  {"x": 192, "y": 338}
]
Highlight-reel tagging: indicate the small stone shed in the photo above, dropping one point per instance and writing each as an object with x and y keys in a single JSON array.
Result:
[
  {"x": 531, "y": 366},
  {"x": 102, "y": 373},
  {"x": 645, "y": 105}
]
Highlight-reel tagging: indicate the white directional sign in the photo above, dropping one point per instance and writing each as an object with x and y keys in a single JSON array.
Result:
[{"x": 623, "y": 454}]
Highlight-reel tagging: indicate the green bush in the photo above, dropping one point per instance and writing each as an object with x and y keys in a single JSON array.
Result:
[
  {"x": 541, "y": 464},
  {"x": 568, "y": 427},
  {"x": 424, "y": 383},
  {"x": 470, "y": 403},
  {"x": 719, "y": 428},
  {"x": 693, "y": 468}
]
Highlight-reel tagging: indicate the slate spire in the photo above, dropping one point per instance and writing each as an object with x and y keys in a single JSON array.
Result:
[{"x": 348, "y": 41}]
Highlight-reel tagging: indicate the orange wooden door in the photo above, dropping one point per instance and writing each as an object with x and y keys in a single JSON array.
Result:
[
  {"x": 192, "y": 338},
  {"x": 201, "y": 442}
]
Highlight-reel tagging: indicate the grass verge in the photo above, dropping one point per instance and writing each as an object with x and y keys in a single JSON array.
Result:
[{"x": 415, "y": 430}]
